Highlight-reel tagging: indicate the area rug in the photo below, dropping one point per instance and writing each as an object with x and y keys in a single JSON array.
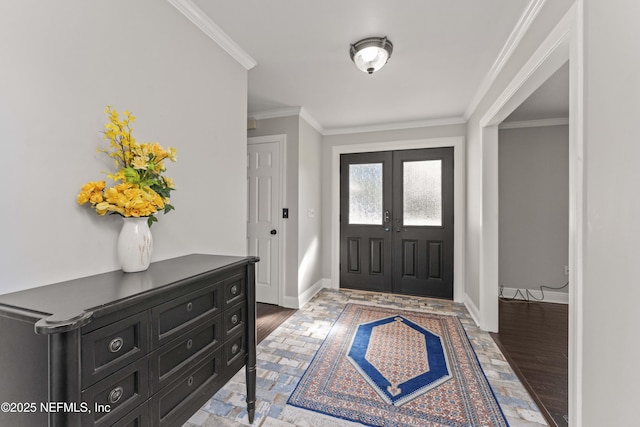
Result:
[{"x": 386, "y": 367}]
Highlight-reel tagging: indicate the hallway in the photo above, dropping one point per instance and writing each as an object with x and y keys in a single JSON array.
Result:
[{"x": 285, "y": 354}]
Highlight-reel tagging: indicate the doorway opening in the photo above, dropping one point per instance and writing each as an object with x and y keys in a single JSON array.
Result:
[
  {"x": 563, "y": 44},
  {"x": 533, "y": 165}
]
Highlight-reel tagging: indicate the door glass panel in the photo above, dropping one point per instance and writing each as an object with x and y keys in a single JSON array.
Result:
[
  {"x": 422, "y": 193},
  {"x": 365, "y": 194}
]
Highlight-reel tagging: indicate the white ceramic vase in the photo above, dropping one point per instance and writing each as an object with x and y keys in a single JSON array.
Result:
[{"x": 135, "y": 244}]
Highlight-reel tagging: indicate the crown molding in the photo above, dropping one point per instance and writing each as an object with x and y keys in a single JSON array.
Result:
[
  {"x": 534, "y": 123},
  {"x": 194, "y": 14},
  {"x": 311, "y": 120},
  {"x": 303, "y": 113},
  {"x": 288, "y": 112},
  {"x": 396, "y": 126},
  {"x": 518, "y": 32},
  {"x": 276, "y": 113}
]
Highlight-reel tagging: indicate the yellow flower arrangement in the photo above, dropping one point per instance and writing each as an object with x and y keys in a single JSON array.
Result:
[{"x": 141, "y": 190}]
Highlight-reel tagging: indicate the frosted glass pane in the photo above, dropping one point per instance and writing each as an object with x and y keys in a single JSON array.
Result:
[
  {"x": 365, "y": 194},
  {"x": 422, "y": 193}
]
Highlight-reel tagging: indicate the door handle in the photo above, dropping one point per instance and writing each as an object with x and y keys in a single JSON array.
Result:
[
  {"x": 274, "y": 232},
  {"x": 387, "y": 216}
]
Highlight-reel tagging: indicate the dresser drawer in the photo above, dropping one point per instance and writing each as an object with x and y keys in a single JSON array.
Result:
[
  {"x": 234, "y": 350},
  {"x": 234, "y": 289},
  {"x": 177, "y": 316},
  {"x": 112, "y": 347},
  {"x": 138, "y": 418},
  {"x": 117, "y": 395},
  {"x": 235, "y": 319},
  {"x": 170, "y": 402},
  {"x": 179, "y": 355}
]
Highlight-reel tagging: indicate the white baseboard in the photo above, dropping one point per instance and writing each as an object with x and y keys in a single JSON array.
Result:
[
  {"x": 300, "y": 301},
  {"x": 290, "y": 302},
  {"x": 472, "y": 309},
  {"x": 311, "y": 292},
  {"x": 329, "y": 284},
  {"x": 549, "y": 296}
]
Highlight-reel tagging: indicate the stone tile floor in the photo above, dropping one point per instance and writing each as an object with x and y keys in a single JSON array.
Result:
[{"x": 284, "y": 356}]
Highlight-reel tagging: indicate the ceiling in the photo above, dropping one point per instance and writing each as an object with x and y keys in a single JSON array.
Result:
[
  {"x": 549, "y": 101},
  {"x": 443, "y": 51}
]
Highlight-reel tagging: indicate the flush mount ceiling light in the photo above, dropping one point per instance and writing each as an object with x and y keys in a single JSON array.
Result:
[{"x": 371, "y": 54}]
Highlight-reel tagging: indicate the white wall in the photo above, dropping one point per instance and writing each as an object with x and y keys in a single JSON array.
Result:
[
  {"x": 548, "y": 17},
  {"x": 612, "y": 206},
  {"x": 303, "y": 233},
  {"x": 309, "y": 195},
  {"x": 63, "y": 62},
  {"x": 603, "y": 326},
  {"x": 534, "y": 208}
]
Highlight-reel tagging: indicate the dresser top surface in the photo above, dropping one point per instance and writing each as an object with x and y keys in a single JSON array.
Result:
[{"x": 67, "y": 305}]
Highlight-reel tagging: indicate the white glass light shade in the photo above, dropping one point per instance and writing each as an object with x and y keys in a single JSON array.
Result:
[{"x": 371, "y": 54}]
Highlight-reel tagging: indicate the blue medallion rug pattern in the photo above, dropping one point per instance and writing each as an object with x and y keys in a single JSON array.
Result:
[
  {"x": 413, "y": 363},
  {"x": 386, "y": 367}
]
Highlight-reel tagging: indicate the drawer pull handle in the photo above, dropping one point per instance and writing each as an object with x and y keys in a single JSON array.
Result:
[
  {"x": 116, "y": 345},
  {"x": 234, "y": 319},
  {"x": 189, "y": 344},
  {"x": 189, "y": 307},
  {"x": 234, "y": 290},
  {"x": 116, "y": 394},
  {"x": 190, "y": 381},
  {"x": 235, "y": 349}
]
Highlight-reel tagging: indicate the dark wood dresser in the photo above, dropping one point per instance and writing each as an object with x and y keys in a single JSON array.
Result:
[{"x": 128, "y": 349}]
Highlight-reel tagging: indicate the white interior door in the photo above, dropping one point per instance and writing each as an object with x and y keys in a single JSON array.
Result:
[{"x": 263, "y": 228}]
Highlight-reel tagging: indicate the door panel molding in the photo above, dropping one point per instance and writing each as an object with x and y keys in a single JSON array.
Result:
[
  {"x": 434, "y": 259},
  {"x": 376, "y": 256},
  {"x": 459, "y": 145},
  {"x": 353, "y": 255},
  {"x": 409, "y": 258}
]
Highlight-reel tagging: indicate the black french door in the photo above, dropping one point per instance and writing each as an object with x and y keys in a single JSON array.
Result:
[{"x": 396, "y": 222}]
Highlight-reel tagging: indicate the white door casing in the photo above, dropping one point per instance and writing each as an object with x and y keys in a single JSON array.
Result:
[
  {"x": 565, "y": 42},
  {"x": 264, "y": 227}
]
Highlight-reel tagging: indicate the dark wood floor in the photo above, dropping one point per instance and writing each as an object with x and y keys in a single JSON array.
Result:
[
  {"x": 269, "y": 317},
  {"x": 534, "y": 339}
]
